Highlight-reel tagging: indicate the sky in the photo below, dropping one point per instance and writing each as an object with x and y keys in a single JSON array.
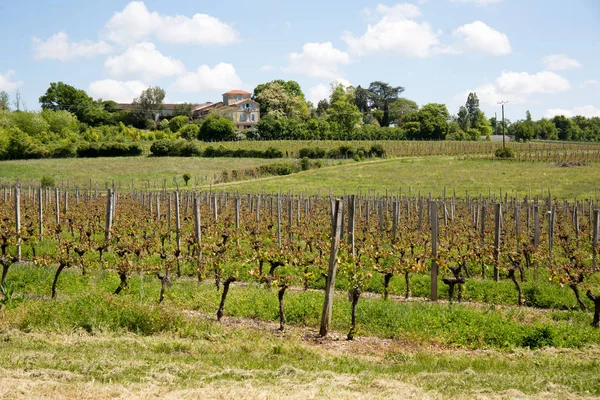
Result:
[{"x": 538, "y": 55}]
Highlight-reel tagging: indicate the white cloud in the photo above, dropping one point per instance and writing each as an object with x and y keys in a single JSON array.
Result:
[
  {"x": 586, "y": 111},
  {"x": 143, "y": 61},
  {"x": 319, "y": 60},
  {"x": 136, "y": 23},
  {"x": 6, "y": 82},
  {"x": 221, "y": 77},
  {"x": 59, "y": 47},
  {"x": 266, "y": 68},
  {"x": 516, "y": 87},
  {"x": 478, "y": 2},
  {"x": 591, "y": 82},
  {"x": 323, "y": 91},
  {"x": 396, "y": 32},
  {"x": 477, "y": 37},
  {"x": 560, "y": 62},
  {"x": 119, "y": 91},
  {"x": 524, "y": 83}
]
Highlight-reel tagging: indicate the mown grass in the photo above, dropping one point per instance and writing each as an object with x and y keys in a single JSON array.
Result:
[
  {"x": 85, "y": 303},
  {"x": 410, "y": 174},
  {"x": 433, "y": 174},
  {"x": 125, "y": 170},
  {"x": 460, "y": 350}
]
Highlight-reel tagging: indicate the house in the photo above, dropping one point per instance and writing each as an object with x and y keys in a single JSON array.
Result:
[{"x": 236, "y": 105}]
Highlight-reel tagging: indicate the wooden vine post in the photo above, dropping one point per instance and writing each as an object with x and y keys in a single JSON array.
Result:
[
  {"x": 109, "y": 215},
  {"x": 596, "y": 227},
  {"x": 433, "y": 291},
  {"x": 178, "y": 233},
  {"x": 330, "y": 284},
  {"x": 41, "y": 211},
  {"x": 497, "y": 239},
  {"x": 18, "y": 220}
]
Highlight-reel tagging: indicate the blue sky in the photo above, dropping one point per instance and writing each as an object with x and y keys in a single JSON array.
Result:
[{"x": 540, "y": 55}]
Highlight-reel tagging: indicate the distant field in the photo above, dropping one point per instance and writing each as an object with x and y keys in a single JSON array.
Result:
[
  {"x": 465, "y": 166},
  {"x": 433, "y": 174},
  {"x": 124, "y": 170}
]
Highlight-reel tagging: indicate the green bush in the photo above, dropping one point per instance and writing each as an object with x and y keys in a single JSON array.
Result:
[
  {"x": 189, "y": 131},
  {"x": 304, "y": 164},
  {"x": 377, "y": 150},
  {"x": 47, "y": 182},
  {"x": 92, "y": 150},
  {"x": 161, "y": 148},
  {"x": 505, "y": 152}
]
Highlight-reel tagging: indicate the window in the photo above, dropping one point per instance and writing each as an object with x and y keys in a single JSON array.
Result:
[
  {"x": 238, "y": 97},
  {"x": 242, "y": 117},
  {"x": 252, "y": 117}
]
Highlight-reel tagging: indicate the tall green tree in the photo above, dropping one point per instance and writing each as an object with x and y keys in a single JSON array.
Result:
[
  {"x": 382, "y": 95},
  {"x": 472, "y": 106},
  {"x": 462, "y": 118},
  {"x": 342, "y": 114},
  {"x": 433, "y": 121},
  {"x": 148, "y": 104},
  {"x": 401, "y": 108},
  {"x": 564, "y": 127},
  {"x": 61, "y": 96},
  {"x": 4, "y": 101},
  {"x": 273, "y": 97}
]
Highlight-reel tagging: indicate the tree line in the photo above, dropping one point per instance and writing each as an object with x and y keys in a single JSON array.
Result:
[{"x": 69, "y": 117}]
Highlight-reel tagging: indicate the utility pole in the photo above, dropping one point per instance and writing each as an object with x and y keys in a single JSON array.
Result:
[{"x": 503, "y": 125}]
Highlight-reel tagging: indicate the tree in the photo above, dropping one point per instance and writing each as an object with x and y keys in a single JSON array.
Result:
[
  {"x": 463, "y": 119},
  {"x": 322, "y": 107},
  {"x": 545, "y": 129},
  {"x": 60, "y": 96},
  {"x": 186, "y": 109},
  {"x": 382, "y": 95},
  {"x": 4, "y": 101},
  {"x": 523, "y": 131},
  {"x": 274, "y": 97},
  {"x": 401, "y": 108},
  {"x": 217, "y": 128},
  {"x": 342, "y": 113},
  {"x": 148, "y": 104},
  {"x": 189, "y": 131},
  {"x": 564, "y": 127},
  {"x": 361, "y": 99},
  {"x": 433, "y": 119},
  {"x": 472, "y": 106}
]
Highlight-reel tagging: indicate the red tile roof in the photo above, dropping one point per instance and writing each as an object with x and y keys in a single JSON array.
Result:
[{"x": 236, "y": 92}]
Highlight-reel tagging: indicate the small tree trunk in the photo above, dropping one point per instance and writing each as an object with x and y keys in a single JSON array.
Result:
[
  {"x": 164, "y": 282},
  {"x": 355, "y": 294},
  {"x": 407, "y": 280},
  {"x": 596, "y": 300},
  {"x": 5, "y": 266},
  {"x": 575, "y": 289},
  {"x": 58, "y": 271},
  {"x": 218, "y": 279},
  {"x": 226, "y": 284},
  {"x": 513, "y": 278},
  {"x": 306, "y": 279},
  {"x": 282, "y": 320},
  {"x": 386, "y": 285},
  {"x": 123, "y": 284}
]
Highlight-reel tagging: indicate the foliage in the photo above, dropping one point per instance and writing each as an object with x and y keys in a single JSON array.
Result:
[
  {"x": 189, "y": 131},
  {"x": 504, "y": 152},
  {"x": 217, "y": 128}
]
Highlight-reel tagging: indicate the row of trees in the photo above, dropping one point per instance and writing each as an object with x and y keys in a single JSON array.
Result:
[{"x": 375, "y": 112}]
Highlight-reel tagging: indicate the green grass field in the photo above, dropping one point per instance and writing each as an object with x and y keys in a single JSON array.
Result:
[
  {"x": 91, "y": 344},
  {"x": 414, "y": 174}
]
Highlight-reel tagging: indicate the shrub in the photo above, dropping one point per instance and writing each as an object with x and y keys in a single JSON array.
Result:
[
  {"x": 539, "y": 337},
  {"x": 161, "y": 148},
  {"x": 186, "y": 177},
  {"x": 189, "y": 131},
  {"x": 47, "y": 182},
  {"x": 505, "y": 152},
  {"x": 178, "y": 122},
  {"x": 377, "y": 150},
  {"x": 109, "y": 150},
  {"x": 304, "y": 164}
]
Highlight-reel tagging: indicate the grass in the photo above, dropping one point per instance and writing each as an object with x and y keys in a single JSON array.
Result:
[
  {"x": 124, "y": 170},
  {"x": 90, "y": 343},
  {"x": 411, "y": 174},
  {"x": 433, "y": 174}
]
